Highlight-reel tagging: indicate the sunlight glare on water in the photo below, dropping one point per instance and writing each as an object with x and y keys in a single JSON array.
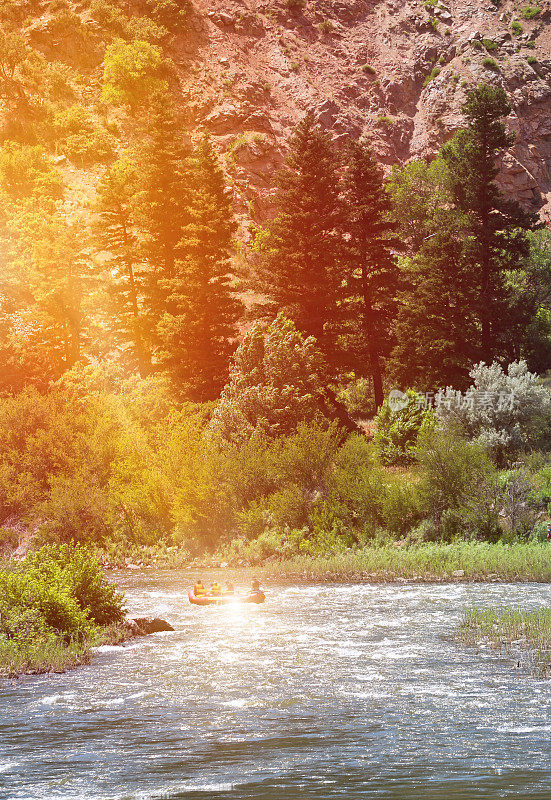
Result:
[{"x": 323, "y": 692}]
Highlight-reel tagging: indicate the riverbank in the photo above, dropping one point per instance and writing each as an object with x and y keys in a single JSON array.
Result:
[
  {"x": 524, "y": 634},
  {"x": 55, "y": 606},
  {"x": 51, "y": 653},
  {"x": 465, "y": 561}
]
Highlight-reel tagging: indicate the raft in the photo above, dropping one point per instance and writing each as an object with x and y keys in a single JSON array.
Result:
[{"x": 207, "y": 600}]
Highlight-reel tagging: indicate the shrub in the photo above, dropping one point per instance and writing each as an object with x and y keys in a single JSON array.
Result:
[
  {"x": 516, "y": 27},
  {"x": 432, "y": 75},
  {"x": 517, "y": 507},
  {"x": 490, "y": 63},
  {"x": 75, "y": 568},
  {"x": 490, "y": 44},
  {"x": 275, "y": 383},
  {"x": 397, "y": 430},
  {"x": 112, "y": 19},
  {"x": 529, "y": 12},
  {"x": 531, "y": 60},
  {"x": 357, "y": 396},
  {"x": 132, "y": 73},
  {"x": 369, "y": 70},
  {"x": 170, "y": 13},
  {"x": 476, "y": 44},
  {"x": 25, "y": 172},
  {"x": 504, "y": 411},
  {"x": 79, "y": 137},
  {"x": 326, "y": 26},
  {"x": 458, "y": 487}
]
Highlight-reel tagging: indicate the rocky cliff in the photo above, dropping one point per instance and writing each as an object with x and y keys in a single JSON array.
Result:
[{"x": 393, "y": 70}]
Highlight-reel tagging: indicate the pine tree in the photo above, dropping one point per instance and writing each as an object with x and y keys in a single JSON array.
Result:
[
  {"x": 495, "y": 227},
  {"x": 435, "y": 331},
  {"x": 300, "y": 270},
  {"x": 163, "y": 164},
  {"x": 117, "y": 234},
  {"x": 198, "y": 329},
  {"x": 371, "y": 278}
]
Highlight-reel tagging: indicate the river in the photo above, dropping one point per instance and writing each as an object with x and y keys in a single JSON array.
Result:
[{"x": 326, "y": 691}]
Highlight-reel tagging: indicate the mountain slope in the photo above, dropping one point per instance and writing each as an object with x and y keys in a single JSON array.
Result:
[{"x": 393, "y": 70}]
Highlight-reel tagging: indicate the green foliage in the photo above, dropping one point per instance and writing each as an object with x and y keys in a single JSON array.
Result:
[
  {"x": 490, "y": 44},
  {"x": 298, "y": 270},
  {"x": 435, "y": 72},
  {"x": 368, "y": 69},
  {"x": 490, "y": 63},
  {"x": 56, "y": 590},
  {"x": 51, "y": 605},
  {"x": 466, "y": 241},
  {"x": 397, "y": 428},
  {"x": 198, "y": 326},
  {"x": 79, "y": 137},
  {"x": 459, "y": 486},
  {"x": 530, "y": 12},
  {"x": 531, "y": 60},
  {"x": 370, "y": 273},
  {"x": 505, "y": 411},
  {"x": 25, "y": 173},
  {"x": 516, "y": 27},
  {"x": 511, "y": 629},
  {"x": 171, "y": 13},
  {"x": 276, "y": 382},
  {"x": 76, "y": 569},
  {"x": 133, "y": 73},
  {"x": 420, "y": 197},
  {"x": 111, "y": 17}
]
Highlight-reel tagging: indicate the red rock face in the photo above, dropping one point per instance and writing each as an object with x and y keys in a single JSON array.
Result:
[{"x": 393, "y": 70}]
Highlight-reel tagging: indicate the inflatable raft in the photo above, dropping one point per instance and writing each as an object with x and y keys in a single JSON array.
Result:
[{"x": 207, "y": 600}]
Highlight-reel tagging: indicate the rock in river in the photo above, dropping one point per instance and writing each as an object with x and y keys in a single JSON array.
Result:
[{"x": 143, "y": 626}]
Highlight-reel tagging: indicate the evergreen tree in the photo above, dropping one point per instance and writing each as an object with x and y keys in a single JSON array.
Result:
[
  {"x": 495, "y": 227},
  {"x": 300, "y": 269},
  {"x": 198, "y": 329},
  {"x": 371, "y": 278},
  {"x": 117, "y": 234},
  {"x": 163, "y": 165},
  {"x": 435, "y": 330}
]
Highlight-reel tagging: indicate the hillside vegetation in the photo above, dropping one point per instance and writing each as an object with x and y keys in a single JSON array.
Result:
[{"x": 167, "y": 378}]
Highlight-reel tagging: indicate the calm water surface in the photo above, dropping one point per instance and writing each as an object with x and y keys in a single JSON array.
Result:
[{"x": 323, "y": 692}]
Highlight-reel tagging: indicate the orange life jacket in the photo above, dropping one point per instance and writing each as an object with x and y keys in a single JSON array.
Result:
[
  {"x": 215, "y": 590},
  {"x": 199, "y": 589}
]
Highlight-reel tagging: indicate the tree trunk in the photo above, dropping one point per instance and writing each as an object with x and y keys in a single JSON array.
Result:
[
  {"x": 332, "y": 407},
  {"x": 373, "y": 354}
]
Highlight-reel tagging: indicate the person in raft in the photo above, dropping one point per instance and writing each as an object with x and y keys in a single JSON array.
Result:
[
  {"x": 215, "y": 590},
  {"x": 255, "y": 588},
  {"x": 199, "y": 590},
  {"x": 230, "y": 588}
]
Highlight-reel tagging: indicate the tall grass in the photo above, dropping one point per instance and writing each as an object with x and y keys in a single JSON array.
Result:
[
  {"x": 512, "y": 630},
  {"x": 33, "y": 657},
  {"x": 434, "y": 561}
]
